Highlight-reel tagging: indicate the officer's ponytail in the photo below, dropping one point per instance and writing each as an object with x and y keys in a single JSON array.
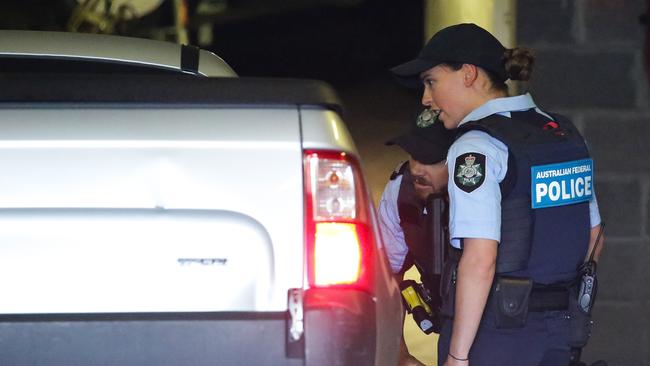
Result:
[{"x": 518, "y": 63}]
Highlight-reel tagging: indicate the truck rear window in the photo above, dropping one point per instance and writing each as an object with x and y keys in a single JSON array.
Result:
[{"x": 50, "y": 65}]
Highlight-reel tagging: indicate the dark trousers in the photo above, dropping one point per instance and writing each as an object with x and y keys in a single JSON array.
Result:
[{"x": 541, "y": 342}]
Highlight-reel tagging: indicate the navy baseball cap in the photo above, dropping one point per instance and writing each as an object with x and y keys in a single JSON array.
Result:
[
  {"x": 464, "y": 43},
  {"x": 428, "y": 145}
]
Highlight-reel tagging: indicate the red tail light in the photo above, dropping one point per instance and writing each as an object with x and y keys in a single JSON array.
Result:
[{"x": 339, "y": 239}]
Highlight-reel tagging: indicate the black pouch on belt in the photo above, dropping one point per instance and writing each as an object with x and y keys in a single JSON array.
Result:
[
  {"x": 448, "y": 289},
  {"x": 510, "y": 300}
]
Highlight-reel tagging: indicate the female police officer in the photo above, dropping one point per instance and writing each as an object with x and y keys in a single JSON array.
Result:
[{"x": 522, "y": 210}]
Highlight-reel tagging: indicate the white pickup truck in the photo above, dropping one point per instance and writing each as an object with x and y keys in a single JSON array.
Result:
[{"x": 150, "y": 215}]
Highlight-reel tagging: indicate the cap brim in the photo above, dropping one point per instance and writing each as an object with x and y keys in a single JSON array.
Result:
[
  {"x": 408, "y": 73},
  {"x": 420, "y": 149},
  {"x": 394, "y": 140}
]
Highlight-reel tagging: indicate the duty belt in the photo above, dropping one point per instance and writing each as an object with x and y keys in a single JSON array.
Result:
[{"x": 549, "y": 298}]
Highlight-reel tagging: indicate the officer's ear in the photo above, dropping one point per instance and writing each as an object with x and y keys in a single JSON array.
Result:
[{"x": 470, "y": 74}]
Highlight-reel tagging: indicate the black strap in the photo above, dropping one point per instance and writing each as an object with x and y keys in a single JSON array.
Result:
[
  {"x": 553, "y": 297},
  {"x": 190, "y": 59},
  {"x": 399, "y": 171},
  {"x": 600, "y": 232}
]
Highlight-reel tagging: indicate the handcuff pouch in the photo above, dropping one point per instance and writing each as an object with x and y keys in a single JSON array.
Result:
[{"x": 510, "y": 301}]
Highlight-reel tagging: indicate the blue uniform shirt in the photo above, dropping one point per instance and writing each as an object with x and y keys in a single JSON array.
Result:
[
  {"x": 477, "y": 214},
  {"x": 389, "y": 225}
]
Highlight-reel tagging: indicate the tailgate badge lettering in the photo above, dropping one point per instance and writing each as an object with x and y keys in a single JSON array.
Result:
[{"x": 203, "y": 261}]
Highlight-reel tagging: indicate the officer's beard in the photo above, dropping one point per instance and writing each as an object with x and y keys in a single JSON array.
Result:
[{"x": 443, "y": 195}]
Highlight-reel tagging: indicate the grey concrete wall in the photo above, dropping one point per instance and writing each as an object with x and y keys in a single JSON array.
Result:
[{"x": 590, "y": 67}]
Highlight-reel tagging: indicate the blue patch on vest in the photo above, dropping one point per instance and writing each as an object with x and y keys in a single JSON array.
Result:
[{"x": 561, "y": 184}]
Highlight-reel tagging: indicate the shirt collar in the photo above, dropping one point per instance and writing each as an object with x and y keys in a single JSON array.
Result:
[{"x": 501, "y": 106}]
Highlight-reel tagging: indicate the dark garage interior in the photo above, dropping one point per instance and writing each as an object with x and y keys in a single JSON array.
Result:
[{"x": 592, "y": 65}]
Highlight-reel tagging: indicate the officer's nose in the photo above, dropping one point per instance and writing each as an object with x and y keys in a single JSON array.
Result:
[{"x": 426, "y": 100}]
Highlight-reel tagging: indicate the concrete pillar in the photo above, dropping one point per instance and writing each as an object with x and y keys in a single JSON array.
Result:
[
  {"x": 497, "y": 16},
  {"x": 180, "y": 22}
]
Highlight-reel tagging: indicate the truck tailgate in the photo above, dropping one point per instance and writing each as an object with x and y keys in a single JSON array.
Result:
[{"x": 106, "y": 210}]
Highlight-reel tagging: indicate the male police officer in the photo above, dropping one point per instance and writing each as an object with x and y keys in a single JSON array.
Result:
[{"x": 402, "y": 213}]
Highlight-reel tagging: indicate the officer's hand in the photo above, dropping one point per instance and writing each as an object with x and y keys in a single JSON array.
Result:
[
  {"x": 451, "y": 362},
  {"x": 408, "y": 360}
]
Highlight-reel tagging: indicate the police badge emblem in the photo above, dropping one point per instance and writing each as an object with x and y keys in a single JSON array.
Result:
[
  {"x": 426, "y": 118},
  {"x": 469, "y": 171}
]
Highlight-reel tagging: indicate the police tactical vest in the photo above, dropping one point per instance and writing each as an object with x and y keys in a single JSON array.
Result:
[
  {"x": 546, "y": 244},
  {"x": 410, "y": 209}
]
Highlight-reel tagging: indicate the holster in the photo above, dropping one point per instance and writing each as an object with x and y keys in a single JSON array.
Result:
[
  {"x": 448, "y": 288},
  {"x": 431, "y": 294},
  {"x": 509, "y": 300}
]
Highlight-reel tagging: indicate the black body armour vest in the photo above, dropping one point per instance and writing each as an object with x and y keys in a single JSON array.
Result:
[
  {"x": 416, "y": 225},
  {"x": 410, "y": 209},
  {"x": 545, "y": 244}
]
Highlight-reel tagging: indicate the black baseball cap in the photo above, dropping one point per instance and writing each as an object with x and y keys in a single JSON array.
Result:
[
  {"x": 465, "y": 43},
  {"x": 428, "y": 145}
]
